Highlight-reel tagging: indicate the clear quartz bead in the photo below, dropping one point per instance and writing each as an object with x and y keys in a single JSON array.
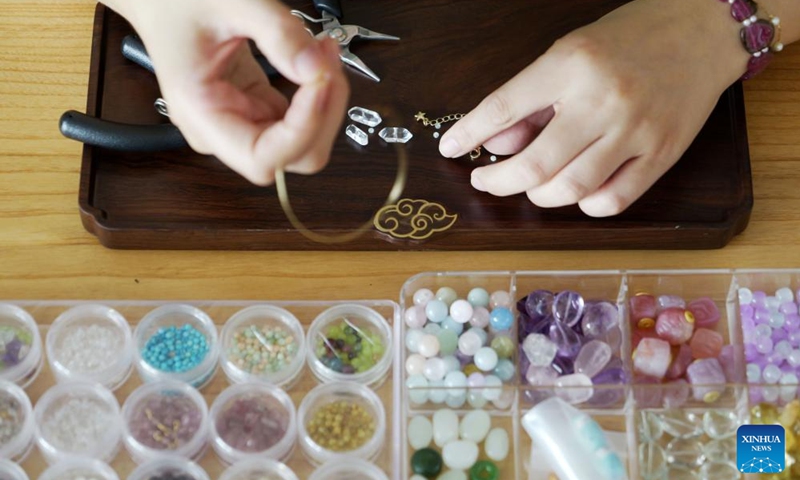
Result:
[
  {"x": 357, "y": 135},
  {"x": 395, "y": 135},
  {"x": 364, "y": 116}
]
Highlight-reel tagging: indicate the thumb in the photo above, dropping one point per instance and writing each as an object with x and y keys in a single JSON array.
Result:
[{"x": 281, "y": 37}]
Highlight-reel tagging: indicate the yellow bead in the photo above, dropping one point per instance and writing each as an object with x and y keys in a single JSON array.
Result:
[
  {"x": 791, "y": 441},
  {"x": 790, "y": 414},
  {"x": 764, "y": 413},
  {"x": 470, "y": 369}
]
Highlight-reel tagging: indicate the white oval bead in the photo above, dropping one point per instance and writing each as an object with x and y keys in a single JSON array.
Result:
[
  {"x": 460, "y": 454},
  {"x": 420, "y": 432},
  {"x": 497, "y": 445},
  {"x": 452, "y": 475},
  {"x": 445, "y": 427},
  {"x": 475, "y": 426}
]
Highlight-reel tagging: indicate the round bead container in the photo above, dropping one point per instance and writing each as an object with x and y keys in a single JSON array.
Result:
[
  {"x": 17, "y": 426},
  {"x": 253, "y": 420},
  {"x": 78, "y": 468},
  {"x": 263, "y": 343},
  {"x": 78, "y": 419},
  {"x": 168, "y": 469},
  {"x": 90, "y": 343},
  {"x": 11, "y": 471},
  {"x": 350, "y": 343},
  {"x": 176, "y": 342},
  {"x": 348, "y": 469},
  {"x": 341, "y": 418},
  {"x": 20, "y": 346},
  {"x": 165, "y": 418},
  {"x": 258, "y": 469}
]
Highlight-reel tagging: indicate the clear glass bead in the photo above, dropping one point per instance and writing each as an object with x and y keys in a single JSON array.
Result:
[
  {"x": 357, "y": 135},
  {"x": 395, "y": 135},
  {"x": 364, "y": 116}
]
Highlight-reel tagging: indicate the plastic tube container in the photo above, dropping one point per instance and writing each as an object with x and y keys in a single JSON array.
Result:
[
  {"x": 256, "y": 469},
  {"x": 100, "y": 438},
  {"x": 177, "y": 316},
  {"x": 85, "y": 329},
  {"x": 77, "y": 468},
  {"x": 177, "y": 467},
  {"x": 259, "y": 402},
  {"x": 251, "y": 324},
  {"x": 149, "y": 415},
  {"x": 329, "y": 360},
  {"x": 18, "y": 327},
  {"x": 11, "y": 471},
  {"x": 16, "y": 446},
  {"x": 346, "y": 468},
  {"x": 351, "y": 394}
]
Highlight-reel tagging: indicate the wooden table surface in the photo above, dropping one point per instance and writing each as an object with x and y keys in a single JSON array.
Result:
[{"x": 46, "y": 254}]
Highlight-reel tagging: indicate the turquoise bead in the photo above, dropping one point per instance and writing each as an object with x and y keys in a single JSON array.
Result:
[
  {"x": 478, "y": 297},
  {"x": 504, "y": 370},
  {"x": 453, "y": 325},
  {"x": 173, "y": 349}
]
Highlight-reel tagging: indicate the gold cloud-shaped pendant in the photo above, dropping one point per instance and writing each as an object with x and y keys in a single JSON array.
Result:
[{"x": 413, "y": 219}]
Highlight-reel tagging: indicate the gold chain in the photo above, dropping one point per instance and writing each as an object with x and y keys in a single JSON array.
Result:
[{"x": 423, "y": 117}]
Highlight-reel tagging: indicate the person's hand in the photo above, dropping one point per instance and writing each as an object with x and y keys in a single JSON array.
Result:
[
  {"x": 220, "y": 98},
  {"x": 608, "y": 109}
]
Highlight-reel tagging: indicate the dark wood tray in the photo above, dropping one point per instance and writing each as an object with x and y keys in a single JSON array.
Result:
[{"x": 448, "y": 60}]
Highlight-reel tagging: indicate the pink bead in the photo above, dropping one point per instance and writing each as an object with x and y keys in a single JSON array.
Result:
[
  {"x": 461, "y": 311},
  {"x": 679, "y": 364},
  {"x": 638, "y": 335},
  {"x": 652, "y": 357},
  {"x": 706, "y": 343},
  {"x": 757, "y": 36},
  {"x": 707, "y": 379},
  {"x": 415, "y": 317},
  {"x": 480, "y": 317},
  {"x": 705, "y": 311},
  {"x": 675, "y": 325},
  {"x": 643, "y": 311}
]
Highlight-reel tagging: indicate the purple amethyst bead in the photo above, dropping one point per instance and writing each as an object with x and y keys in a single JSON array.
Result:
[
  {"x": 568, "y": 307},
  {"x": 757, "y": 65},
  {"x": 539, "y": 303},
  {"x": 747, "y": 311},
  {"x": 568, "y": 342},
  {"x": 563, "y": 365},
  {"x": 743, "y": 9},
  {"x": 610, "y": 376}
]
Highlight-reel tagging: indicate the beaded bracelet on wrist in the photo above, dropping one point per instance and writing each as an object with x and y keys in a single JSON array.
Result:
[{"x": 760, "y": 36}]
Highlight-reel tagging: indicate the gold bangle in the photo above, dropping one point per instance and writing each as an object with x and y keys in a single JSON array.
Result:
[{"x": 394, "y": 195}]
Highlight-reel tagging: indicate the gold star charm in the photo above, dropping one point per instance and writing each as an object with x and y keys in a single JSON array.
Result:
[{"x": 420, "y": 117}]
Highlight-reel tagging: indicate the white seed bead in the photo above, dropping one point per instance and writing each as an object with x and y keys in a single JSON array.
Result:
[
  {"x": 746, "y": 22},
  {"x": 776, "y": 21},
  {"x": 778, "y": 47},
  {"x": 77, "y": 425},
  {"x": 493, "y": 158},
  {"x": 435, "y": 134},
  {"x": 754, "y": 18},
  {"x": 90, "y": 349}
]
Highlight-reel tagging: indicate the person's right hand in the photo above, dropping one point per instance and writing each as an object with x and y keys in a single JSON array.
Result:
[{"x": 220, "y": 98}]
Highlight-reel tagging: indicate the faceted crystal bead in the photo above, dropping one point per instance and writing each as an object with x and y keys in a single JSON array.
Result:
[
  {"x": 598, "y": 319},
  {"x": 652, "y": 461},
  {"x": 706, "y": 343},
  {"x": 707, "y": 379},
  {"x": 566, "y": 339},
  {"x": 539, "y": 350},
  {"x": 705, "y": 311},
  {"x": 687, "y": 452},
  {"x": 681, "y": 424},
  {"x": 357, "y": 135},
  {"x": 568, "y": 307},
  {"x": 675, "y": 325},
  {"x": 652, "y": 357},
  {"x": 592, "y": 358},
  {"x": 364, "y": 116},
  {"x": 719, "y": 424},
  {"x": 395, "y": 135}
]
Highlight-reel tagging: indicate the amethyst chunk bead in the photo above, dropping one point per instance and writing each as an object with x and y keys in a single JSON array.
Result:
[
  {"x": 757, "y": 36},
  {"x": 741, "y": 10}
]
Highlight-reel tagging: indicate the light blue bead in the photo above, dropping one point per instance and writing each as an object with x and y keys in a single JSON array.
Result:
[
  {"x": 480, "y": 333},
  {"x": 436, "y": 311},
  {"x": 478, "y": 297},
  {"x": 451, "y": 324},
  {"x": 504, "y": 370},
  {"x": 501, "y": 319},
  {"x": 432, "y": 328},
  {"x": 589, "y": 432}
]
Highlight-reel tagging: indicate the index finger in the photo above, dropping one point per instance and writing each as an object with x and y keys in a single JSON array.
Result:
[{"x": 530, "y": 91}]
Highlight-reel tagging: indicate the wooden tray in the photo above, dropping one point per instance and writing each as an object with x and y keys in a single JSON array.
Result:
[{"x": 447, "y": 61}]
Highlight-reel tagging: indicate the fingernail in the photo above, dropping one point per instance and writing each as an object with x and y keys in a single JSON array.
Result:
[
  {"x": 310, "y": 62},
  {"x": 449, "y": 148},
  {"x": 476, "y": 183}
]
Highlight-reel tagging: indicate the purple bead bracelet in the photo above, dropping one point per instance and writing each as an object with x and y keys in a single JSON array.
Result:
[{"x": 757, "y": 35}]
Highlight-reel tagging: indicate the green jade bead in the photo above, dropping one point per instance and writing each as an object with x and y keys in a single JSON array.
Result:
[
  {"x": 448, "y": 342},
  {"x": 484, "y": 470},
  {"x": 503, "y": 346},
  {"x": 426, "y": 462}
]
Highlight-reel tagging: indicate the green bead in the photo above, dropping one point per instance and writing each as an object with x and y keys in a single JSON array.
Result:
[
  {"x": 426, "y": 462},
  {"x": 448, "y": 341},
  {"x": 503, "y": 346},
  {"x": 484, "y": 470}
]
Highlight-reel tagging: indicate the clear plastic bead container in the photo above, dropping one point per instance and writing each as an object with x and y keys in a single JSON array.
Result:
[
  {"x": 165, "y": 418},
  {"x": 19, "y": 339},
  {"x": 348, "y": 394},
  {"x": 347, "y": 468},
  {"x": 267, "y": 331},
  {"x": 78, "y": 419},
  {"x": 78, "y": 468},
  {"x": 241, "y": 404},
  {"x": 168, "y": 468},
  {"x": 330, "y": 358},
  {"x": 90, "y": 343},
  {"x": 258, "y": 469},
  {"x": 11, "y": 471},
  {"x": 177, "y": 316},
  {"x": 18, "y": 427}
]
